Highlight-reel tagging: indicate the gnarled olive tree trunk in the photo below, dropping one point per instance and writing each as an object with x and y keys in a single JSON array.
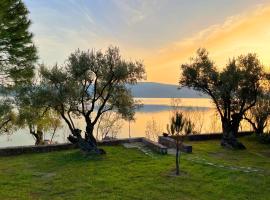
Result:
[
  {"x": 38, "y": 135},
  {"x": 89, "y": 134},
  {"x": 230, "y": 130},
  {"x": 87, "y": 144}
]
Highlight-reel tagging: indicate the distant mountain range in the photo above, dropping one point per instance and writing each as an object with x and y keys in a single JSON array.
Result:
[{"x": 160, "y": 90}]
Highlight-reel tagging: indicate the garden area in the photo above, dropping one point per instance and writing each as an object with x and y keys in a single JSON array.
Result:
[
  {"x": 86, "y": 96},
  {"x": 210, "y": 172}
]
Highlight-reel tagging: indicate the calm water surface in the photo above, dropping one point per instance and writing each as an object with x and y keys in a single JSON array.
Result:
[{"x": 154, "y": 115}]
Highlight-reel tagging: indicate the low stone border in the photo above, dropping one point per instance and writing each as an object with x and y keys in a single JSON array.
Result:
[
  {"x": 119, "y": 141},
  {"x": 170, "y": 143},
  {"x": 213, "y": 136},
  {"x": 17, "y": 150},
  {"x": 159, "y": 148}
]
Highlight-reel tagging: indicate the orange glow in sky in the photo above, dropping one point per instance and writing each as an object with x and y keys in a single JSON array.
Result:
[
  {"x": 248, "y": 32},
  {"x": 162, "y": 33}
]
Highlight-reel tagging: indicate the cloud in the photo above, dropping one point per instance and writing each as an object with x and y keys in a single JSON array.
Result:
[
  {"x": 135, "y": 11},
  {"x": 81, "y": 7},
  {"x": 246, "y": 32}
]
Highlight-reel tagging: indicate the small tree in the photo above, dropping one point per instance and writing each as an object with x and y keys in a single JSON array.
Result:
[
  {"x": 197, "y": 118},
  {"x": 258, "y": 116},
  {"x": 189, "y": 127},
  {"x": 152, "y": 129},
  {"x": 234, "y": 90},
  {"x": 90, "y": 84},
  {"x": 178, "y": 128},
  {"x": 32, "y": 114},
  {"x": 38, "y": 121},
  {"x": 108, "y": 126}
]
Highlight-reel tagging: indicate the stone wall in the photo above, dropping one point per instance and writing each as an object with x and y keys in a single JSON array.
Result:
[
  {"x": 17, "y": 150},
  {"x": 119, "y": 141},
  {"x": 170, "y": 143},
  {"x": 9, "y": 151},
  {"x": 213, "y": 136},
  {"x": 159, "y": 148}
]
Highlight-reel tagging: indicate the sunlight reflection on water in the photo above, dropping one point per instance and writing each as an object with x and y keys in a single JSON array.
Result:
[{"x": 200, "y": 110}]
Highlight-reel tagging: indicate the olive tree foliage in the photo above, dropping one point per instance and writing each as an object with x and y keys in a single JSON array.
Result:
[
  {"x": 233, "y": 90},
  {"x": 7, "y": 116},
  {"x": 17, "y": 55},
  {"x": 33, "y": 115},
  {"x": 259, "y": 115},
  {"x": 38, "y": 121},
  {"x": 89, "y": 84}
]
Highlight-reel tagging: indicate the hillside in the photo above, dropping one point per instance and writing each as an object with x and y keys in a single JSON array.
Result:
[{"x": 160, "y": 90}]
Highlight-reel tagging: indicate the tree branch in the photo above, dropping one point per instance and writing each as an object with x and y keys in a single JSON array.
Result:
[
  {"x": 251, "y": 122},
  {"x": 5, "y": 123}
]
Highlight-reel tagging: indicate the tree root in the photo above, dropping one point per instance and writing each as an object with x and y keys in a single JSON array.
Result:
[{"x": 232, "y": 143}]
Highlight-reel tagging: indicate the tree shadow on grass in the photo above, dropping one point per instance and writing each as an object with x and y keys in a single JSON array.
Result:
[{"x": 75, "y": 157}]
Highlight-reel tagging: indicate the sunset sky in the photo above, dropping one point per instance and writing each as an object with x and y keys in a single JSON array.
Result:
[{"x": 161, "y": 33}]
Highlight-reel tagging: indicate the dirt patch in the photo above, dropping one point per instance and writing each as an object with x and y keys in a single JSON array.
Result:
[{"x": 172, "y": 173}]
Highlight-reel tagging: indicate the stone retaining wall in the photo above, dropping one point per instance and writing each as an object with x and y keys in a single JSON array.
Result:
[
  {"x": 119, "y": 141},
  {"x": 159, "y": 148},
  {"x": 17, "y": 150},
  {"x": 170, "y": 143},
  {"x": 213, "y": 136}
]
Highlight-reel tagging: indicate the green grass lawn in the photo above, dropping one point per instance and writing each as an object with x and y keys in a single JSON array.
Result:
[{"x": 210, "y": 172}]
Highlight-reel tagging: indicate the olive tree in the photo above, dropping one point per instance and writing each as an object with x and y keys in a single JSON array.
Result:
[
  {"x": 38, "y": 121},
  {"x": 32, "y": 114},
  {"x": 89, "y": 84},
  {"x": 233, "y": 90},
  {"x": 259, "y": 115}
]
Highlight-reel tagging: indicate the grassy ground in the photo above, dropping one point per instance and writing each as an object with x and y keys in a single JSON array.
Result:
[{"x": 209, "y": 173}]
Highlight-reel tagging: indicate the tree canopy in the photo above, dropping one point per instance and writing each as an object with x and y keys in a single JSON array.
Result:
[
  {"x": 34, "y": 116},
  {"x": 17, "y": 51},
  {"x": 234, "y": 89},
  {"x": 88, "y": 85},
  {"x": 18, "y": 55},
  {"x": 7, "y": 116},
  {"x": 258, "y": 116}
]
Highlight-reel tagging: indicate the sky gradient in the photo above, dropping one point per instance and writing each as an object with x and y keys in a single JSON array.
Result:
[{"x": 162, "y": 33}]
